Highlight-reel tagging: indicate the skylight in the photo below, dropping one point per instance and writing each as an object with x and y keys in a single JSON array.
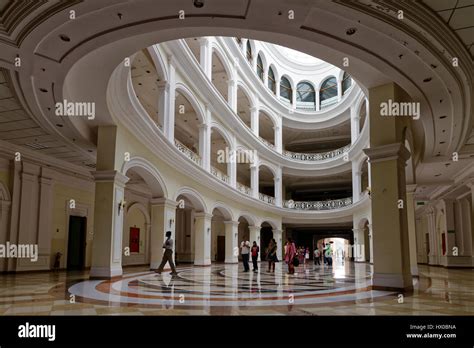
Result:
[{"x": 297, "y": 56}]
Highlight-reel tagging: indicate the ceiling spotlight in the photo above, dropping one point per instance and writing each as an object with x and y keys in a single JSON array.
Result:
[
  {"x": 198, "y": 4},
  {"x": 65, "y": 38},
  {"x": 351, "y": 31}
]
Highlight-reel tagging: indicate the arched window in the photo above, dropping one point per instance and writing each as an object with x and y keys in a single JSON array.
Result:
[
  {"x": 271, "y": 80},
  {"x": 249, "y": 51},
  {"x": 260, "y": 67},
  {"x": 285, "y": 90},
  {"x": 346, "y": 82},
  {"x": 305, "y": 96},
  {"x": 328, "y": 92}
]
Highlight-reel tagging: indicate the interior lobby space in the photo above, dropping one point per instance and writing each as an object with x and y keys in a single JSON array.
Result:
[{"x": 142, "y": 146}]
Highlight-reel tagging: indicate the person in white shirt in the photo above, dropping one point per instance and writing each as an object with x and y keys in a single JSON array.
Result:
[
  {"x": 167, "y": 255},
  {"x": 245, "y": 252}
]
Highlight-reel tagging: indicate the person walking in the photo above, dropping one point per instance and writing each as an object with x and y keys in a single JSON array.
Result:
[
  {"x": 290, "y": 255},
  {"x": 317, "y": 256},
  {"x": 272, "y": 255},
  {"x": 306, "y": 255},
  {"x": 167, "y": 255},
  {"x": 245, "y": 251},
  {"x": 255, "y": 250},
  {"x": 328, "y": 254}
]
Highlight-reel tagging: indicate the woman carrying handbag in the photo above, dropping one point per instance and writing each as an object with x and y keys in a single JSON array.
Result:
[{"x": 290, "y": 255}]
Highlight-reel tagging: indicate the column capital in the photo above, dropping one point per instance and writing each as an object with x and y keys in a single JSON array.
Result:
[
  {"x": 163, "y": 85},
  {"x": 388, "y": 152},
  {"x": 411, "y": 188},
  {"x": 254, "y": 228},
  {"x": 110, "y": 176},
  {"x": 277, "y": 231},
  {"x": 253, "y": 108},
  {"x": 203, "y": 215},
  {"x": 232, "y": 223}
]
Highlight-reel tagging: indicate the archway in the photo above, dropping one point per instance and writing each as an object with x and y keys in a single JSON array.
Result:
[
  {"x": 220, "y": 214},
  {"x": 266, "y": 128},
  {"x": 244, "y": 106},
  {"x": 266, "y": 184},
  {"x": 220, "y": 76}
]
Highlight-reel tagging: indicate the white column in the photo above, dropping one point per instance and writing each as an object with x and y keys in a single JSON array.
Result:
[
  {"x": 163, "y": 219},
  {"x": 232, "y": 168},
  {"x": 205, "y": 145},
  {"x": 254, "y": 236},
  {"x": 371, "y": 241},
  {"x": 458, "y": 226},
  {"x": 410, "y": 206},
  {"x": 318, "y": 101},
  {"x": 433, "y": 255},
  {"x": 254, "y": 169},
  {"x": 169, "y": 112},
  {"x": 206, "y": 56},
  {"x": 278, "y": 136},
  {"x": 277, "y": 235},
  {"x": 356, "y": 181},
  {"x": 293, "y": 98},
  {"x": 163, "y": 103},
  {"x": 202, "y": 241},
  {"x": 232, "y": 94},
  {"x": 467, "y": 227},
  {"x": 278, "y": 187},
  {"x": 354, "y": 124},
  {"x": 277, "y": 87},
  {"x": 254, "y": 120},
  {"x": 231, "y": 242},
  {"x": 339, "y": 90},
  {"x": 108, "y": 224}
]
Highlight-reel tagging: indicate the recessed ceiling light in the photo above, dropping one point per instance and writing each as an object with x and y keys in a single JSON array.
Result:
[
  {"x": 441, "y": 117},
  {"x": 64, "y": 38},
  {"x": 198, "y": 4},
  {"x": 351, "y": 31},
  {"x": 428, "y": 79},
  {"x": 43, "y": 90}
]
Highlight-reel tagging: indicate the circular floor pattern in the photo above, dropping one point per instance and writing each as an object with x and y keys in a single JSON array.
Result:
[{"x": 229, "y": 286}]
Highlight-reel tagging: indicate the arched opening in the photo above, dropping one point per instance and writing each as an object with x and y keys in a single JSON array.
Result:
[
  {"x": 286, "y": 91},
  {"x": 366, "y": 241},
  {"x": 195, "y": 47},
  {"x": 362, "y": 115},
  {"x": 243, "y": 106},
  {"x": 346, "y": 83},
  {"x": 272, "y": 80},
  {"x": 266, "y": 234},
  {"x": 243, "y": 231},
  {"x": 244, "y": 160},
  {"x": 219, "y": 215},
  {"x": 260, "y": 69},
  {"x": 249, "y": 53},
  {"x": 328, "y": 92},
  {"x": 266, "y": 184},
  {"x": 220, "y": 76},
  {"x": 145, "y": 79},
  {"x": 186, "y": 127},
  {"x": 188, "y": 206},
  {"x": 266, "y": 128},
  {"x": 220, "y": 155},
  {"x": 305, "y": 96},
  {"x": 364, "y": 179}
]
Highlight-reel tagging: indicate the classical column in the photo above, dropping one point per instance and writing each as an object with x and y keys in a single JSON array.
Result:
[
  {"x": 202, "y": 240},
  {"x": 278, "y": 137},
  {"x": 450, "y": 229},
  {"x": 168, "y": 104},
  {"x": 254, "y": 180},
  {"x": 205, "y": 145},
  {"x": 433, "y": 254},
  {"x": 163, "y": 104},
  {"x": 458, "y": 226},
  {"x": 318, "y": 100},
  {"x": 467, "y": 227},
  {"x": 339, "y": 90},
  {"x": 45, "y": 215},
  {"x": 232, "y": 94},
  {"x": 410, "y": 206},
  {"x": 231, "y": 242},
  {"x": 358, "y": 247},
  {"x": 293, "y": 98},
  {"x": 371, "y": 243},
  {"x": 278, "y": 187},
  {"x": 355, "y": 124},
  {"x": 254, "y": 236},
  {"x": 254, "y": 120},
  {"x": 108, "y": 224},
  {"x": 163, "y": 219},
  {"x": 205, "y": 56},
  {"x": 356, "y": 181},
  {"x": 277, "y": 235}
]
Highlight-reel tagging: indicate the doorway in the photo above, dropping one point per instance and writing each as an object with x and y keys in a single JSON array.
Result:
[
  {"x": 76, "y": 250},
  {"x": 220, "y": 249}
]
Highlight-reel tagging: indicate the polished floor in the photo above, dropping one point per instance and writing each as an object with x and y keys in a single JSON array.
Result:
[{"x": 227, "y": 290}]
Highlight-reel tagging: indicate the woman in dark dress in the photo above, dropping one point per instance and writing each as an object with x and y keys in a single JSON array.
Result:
[{"x": 272, "y": 255}]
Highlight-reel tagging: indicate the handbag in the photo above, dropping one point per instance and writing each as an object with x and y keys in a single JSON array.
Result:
[{"x": 296, "y": 262}]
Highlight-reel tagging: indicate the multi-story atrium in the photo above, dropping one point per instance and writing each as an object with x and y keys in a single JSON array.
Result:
[{"x": 335, "y": 123}]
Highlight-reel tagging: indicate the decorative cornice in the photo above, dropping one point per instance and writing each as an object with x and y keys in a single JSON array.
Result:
[{"x": 387, "y": 153}]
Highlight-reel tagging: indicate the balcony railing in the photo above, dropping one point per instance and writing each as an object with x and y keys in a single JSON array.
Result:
[
  {"x": 316, "y": 156},
  {"x": 266, "y": 199},
  {"x": 221, "y": 176},
  {"x": 319, "y": 205},
  {"x": 245, "y": 189},
  {"x": 266, "y": 142},
  {"x": 189, "y": 153}
]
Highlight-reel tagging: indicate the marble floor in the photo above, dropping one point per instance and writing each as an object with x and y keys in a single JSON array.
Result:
[{"x": 342, "y": 289}]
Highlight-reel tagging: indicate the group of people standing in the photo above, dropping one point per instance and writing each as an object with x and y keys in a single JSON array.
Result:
[
  {"x": 271, "y": 255},
  {"x": 325, "y": 254}
]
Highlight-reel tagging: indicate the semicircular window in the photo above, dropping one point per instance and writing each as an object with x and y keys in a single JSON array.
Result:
[
  {"x": 271, "y": 80},
  {"x": 328, "y": 92},
  {"x": 305, "y": 96},
  {"x": 260, "y": 67},
  {"x": 286, "y": 92},
  {"x": 346, "y": 83}
]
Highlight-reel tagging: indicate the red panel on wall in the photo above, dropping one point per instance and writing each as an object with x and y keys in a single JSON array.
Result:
[{"x": 134, "y": 240}]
